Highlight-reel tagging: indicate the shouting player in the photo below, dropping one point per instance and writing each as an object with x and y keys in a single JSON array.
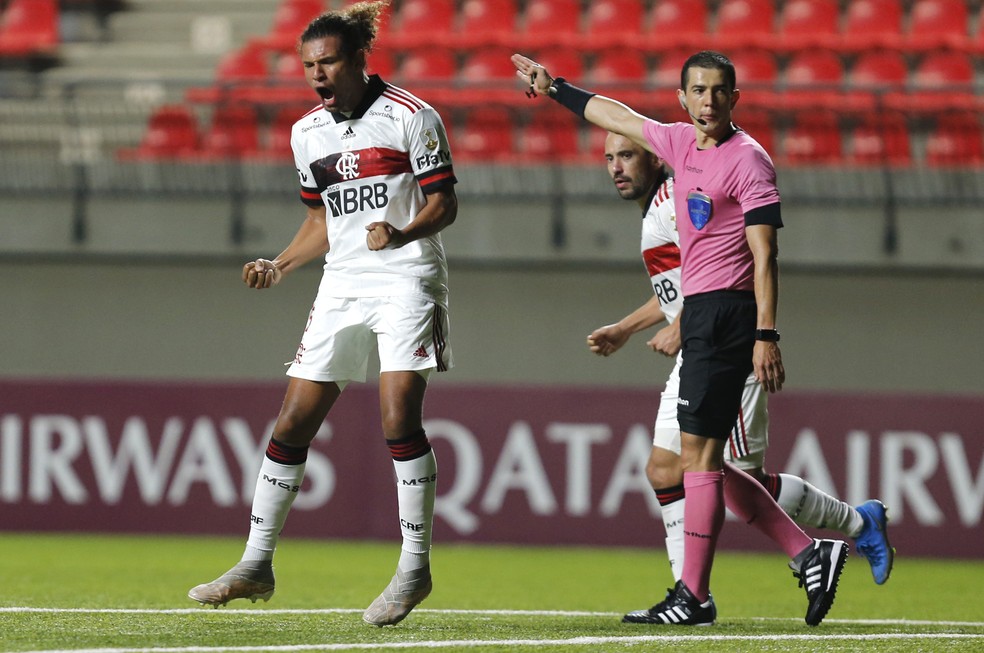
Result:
[{"x": 376, "y": 177}]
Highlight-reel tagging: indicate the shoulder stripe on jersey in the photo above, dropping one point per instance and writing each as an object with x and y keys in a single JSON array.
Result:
[
  {"x": 312, "y": 110},
  {"x": 662, "y": 258},
  {"x": 411, "y": 107},
  {"x": 396, "y": 91},
  {"x": 408, "y": 100},
  {"x": 663, "y": 193}
]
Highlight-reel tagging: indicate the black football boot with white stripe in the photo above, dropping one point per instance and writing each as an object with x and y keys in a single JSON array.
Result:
[
  {"x": 680, "y": 608},
  {"x": 818, "y": 568}
]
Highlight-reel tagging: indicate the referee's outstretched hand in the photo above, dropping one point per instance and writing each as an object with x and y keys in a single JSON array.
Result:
[{"x": 532, "y": 73}]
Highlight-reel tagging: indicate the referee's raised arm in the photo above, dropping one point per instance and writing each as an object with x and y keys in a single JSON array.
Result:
[{"x": 605, "y": 112}]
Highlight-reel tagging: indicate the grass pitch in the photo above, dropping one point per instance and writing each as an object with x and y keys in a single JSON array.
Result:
[{"x": 117, "y": 594}]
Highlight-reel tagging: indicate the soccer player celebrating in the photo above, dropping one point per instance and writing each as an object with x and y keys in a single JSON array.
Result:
[
  {"x": 640, "y": 175},
  {"x": 376, "y": 176},
  {"x": 728, "y": 204}
]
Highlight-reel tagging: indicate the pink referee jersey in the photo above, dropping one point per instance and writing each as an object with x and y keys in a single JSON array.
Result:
[{"x": 724, "y": 183}]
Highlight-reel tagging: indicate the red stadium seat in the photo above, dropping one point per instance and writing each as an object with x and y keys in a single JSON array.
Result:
[
  {"x": 941, "y": 78},
  {"x": 621, "y": 73},
  {"x": 381, "y": 62},
  {"x": 619, "y": 66},
  {"x": 814, "y": 78},
  {"x": 807, "y": 24},
  {"x": 489, "y": 75},
  {"x": 422, "y": 23},
  {"x": 872, "y": 24},
  {"x": 937, "y": 23},
  {"x": 760, "y": 125},
  {"x": 488, "y": 65},
  {"x": 29, "y": 27},
  {"x": 666, "y": 72},
  {"x": 613, "y": 23},
  {"x": 290, "y": 19},
  {"x": 551, "y": 22},
  {"x": 955, "y": 139},
  {"x": 744, "y": 23},
  {"x": 276, "y": 145},
  {"x": 881, "y": 138},
  {"x": 676, "y": 24},
  {"x": 429, "y": 71},
  {"x": 172, "y": 132},
  {"x": 552, "y": 135},
  {"x": 567, "y": 62},
  {"x": 876, "y": 77},
  {"x": 232, "y": 134},
  {"x": 242, "y": 74},
  {"x": 487, "y": 22},
  {"x": 880, "y": 69},
  {"x": 486, "y": 135},
  {"x": 427, "y": 65},
  {"x": 814, "y": 138},
  {"x": 757, "y": 73}
]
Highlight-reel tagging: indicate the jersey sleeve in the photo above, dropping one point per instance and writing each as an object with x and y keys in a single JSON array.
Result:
[
  {"x": 665, "y": 139},
  {"x": 430, "y": 153},
  {"x": 756, "y": 180},
  {"x": 310, "y": 193}
]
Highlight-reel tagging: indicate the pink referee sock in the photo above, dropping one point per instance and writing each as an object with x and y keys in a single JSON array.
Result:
[
  {"x": 753, "y": 504},
  {"x": 703, "y": 517}
]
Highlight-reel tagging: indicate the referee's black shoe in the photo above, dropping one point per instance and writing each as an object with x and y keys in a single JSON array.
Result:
[
  {"x": 818, "y": 568},
  {"x": 679, "y": 608}
]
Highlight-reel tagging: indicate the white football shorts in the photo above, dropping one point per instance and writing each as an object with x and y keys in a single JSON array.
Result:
[
  {"x": 409, "y": 333},
  {"x": 749, "y": 437}
]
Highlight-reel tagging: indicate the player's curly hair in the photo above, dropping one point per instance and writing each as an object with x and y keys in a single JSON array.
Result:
[{"x": 355, "y": 25}]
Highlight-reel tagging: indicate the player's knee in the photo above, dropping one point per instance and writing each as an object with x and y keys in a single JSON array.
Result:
[{"x": 663, "y": 469}]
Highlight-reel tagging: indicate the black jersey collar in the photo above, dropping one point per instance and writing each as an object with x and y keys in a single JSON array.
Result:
[{"x": 374, "y": 89}]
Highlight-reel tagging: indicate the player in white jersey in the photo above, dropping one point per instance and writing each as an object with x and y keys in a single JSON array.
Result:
[
  {"x": 640, "y": 175},
  {"x": 376, "y": 177}
]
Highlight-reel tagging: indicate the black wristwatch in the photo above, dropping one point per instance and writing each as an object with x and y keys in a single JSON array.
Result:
[{"x": 768, "y": 335}]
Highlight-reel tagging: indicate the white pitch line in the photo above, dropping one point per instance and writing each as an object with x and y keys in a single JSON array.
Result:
[
  {"x": 573, "y": 641},
  {"x": 510, "y": 613}
]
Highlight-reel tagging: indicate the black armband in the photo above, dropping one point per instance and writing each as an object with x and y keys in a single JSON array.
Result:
[
  {"x": 570, "y": 96},
  {"x": 768, "y": 214}
]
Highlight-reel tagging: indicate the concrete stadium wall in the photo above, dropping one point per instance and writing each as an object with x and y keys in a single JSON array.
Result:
[{"x": 180, "y": 319}]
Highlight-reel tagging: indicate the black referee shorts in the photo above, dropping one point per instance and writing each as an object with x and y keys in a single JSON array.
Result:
[{"x": 718, "y": 330}]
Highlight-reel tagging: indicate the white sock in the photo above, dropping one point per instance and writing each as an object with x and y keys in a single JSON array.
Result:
[
  {"x": 809, "y": 506},
  {"x": 276, "y": 488},
  {"x": 673, "y": 523},
  {"x": 416, "y": 485}
]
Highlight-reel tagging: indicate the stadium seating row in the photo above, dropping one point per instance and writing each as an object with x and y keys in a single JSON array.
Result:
[
  {"x": 862, "y": 105},
  {"x": 809, "y": 78},
  {"x": 550, "y": 134},
  {"x": 658, "y": 25}
]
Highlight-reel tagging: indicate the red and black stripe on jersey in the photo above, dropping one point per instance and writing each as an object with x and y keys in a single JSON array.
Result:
[
  {"x": 660, "y": 259},
  {"x": 370, "y": 162}
]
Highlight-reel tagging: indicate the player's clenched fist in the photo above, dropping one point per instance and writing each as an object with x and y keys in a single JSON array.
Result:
[
  {"x": 383, "y": 235},
  {"x": 261, "y": 273}
]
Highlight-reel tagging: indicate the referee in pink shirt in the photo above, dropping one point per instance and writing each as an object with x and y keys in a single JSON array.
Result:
[{"x": 728, "y": 213}]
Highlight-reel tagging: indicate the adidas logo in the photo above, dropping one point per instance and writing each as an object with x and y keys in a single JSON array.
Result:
[
  {"x": 348, "y": 133},
  {"x": 420, "y": 353}
]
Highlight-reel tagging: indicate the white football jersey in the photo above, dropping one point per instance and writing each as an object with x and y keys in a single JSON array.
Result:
[
  {"x": 376, "y": 165},
  {"x": 661, "y": 250}
]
